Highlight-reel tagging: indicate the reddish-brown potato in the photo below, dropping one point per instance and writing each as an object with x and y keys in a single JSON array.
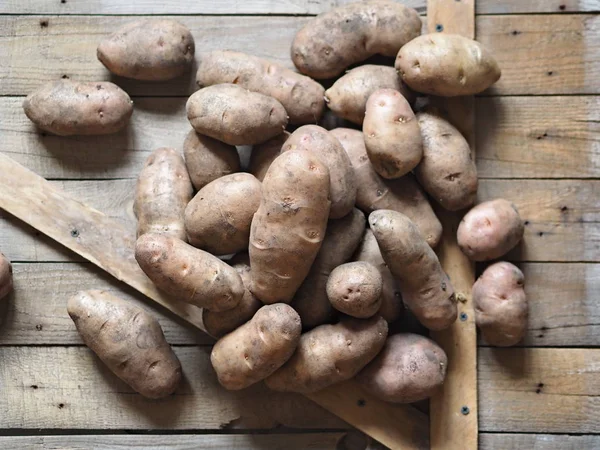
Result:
[
  {"x": 264, "y": 154},
  {"x": 6, "y": 276},
  {"x": 355, "y": 288}
]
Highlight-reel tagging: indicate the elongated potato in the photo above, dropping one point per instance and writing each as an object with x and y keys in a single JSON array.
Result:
[
  {"x": 162, "y": 192},
  {"x": 490, "y": 230},
  {"x": 403, "y": 194},
  {"x": 327, "y": 148},
  {"x": 501, "y": 308},
  {"x": 187, "y": 273},
  {"x": 348, "y": 34},
  {"x": 148, "y": 49},
  {"x": 447, "y": 65},
  {"x": 67, "y": 108},
  {"x": 341, "y": 239},
  {"x": 330, "y": 354},
  {"x": 301, "y": 96},
  {"x": 257, "y": 349},
  {"x": 219, "y": 216},
  {"x": 6, "y": 276},
  {"x": 264, "y": 154},
  {"x": 426, "y": 289},
  {"x": 128, "y": 340},
  {"x": 289, "y": 226},
  {"x": 447, "y": 171},
  {"x": 355, "y": 288}
]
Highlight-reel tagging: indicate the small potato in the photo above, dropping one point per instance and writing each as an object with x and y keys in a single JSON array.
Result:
[
  {"x": 447, "y": 65},
  {"x": 148, "y": 49},
  {"x": 162, "y": 192},
  {"x": 355, "y": 289},
  {"x": 348, "y": 96},
  {"x": 329, "y": 354},
  {"x": 207, "y": 159},
  {"x": 219, "y": 216},
  {"x": 128, "y": 340},
  {"x": 327, "y": 148},
  {"x": 348, "y": 34},
  {"x": 68, "y": 108},
  {"x": 6, "y": 276},
  {"x": 447, "y": 171},
  {"x": 257, "y": 349},
  {"x": 490, "y": 230},
  {"x": 187, "y": 273},
  {"x": 264, "y": 154},
  {"x": 410, "y": 368},
  {"x": 501, "y": 309},
  {"x": 392, "y": 134},
  {"x": 301, "y": 96},
  {"x": 234, "y": 115}
]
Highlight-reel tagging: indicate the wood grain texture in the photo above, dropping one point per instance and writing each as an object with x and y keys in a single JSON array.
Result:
[{"x": 493, "y": 441}]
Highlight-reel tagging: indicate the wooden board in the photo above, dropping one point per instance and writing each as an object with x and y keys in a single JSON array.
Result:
[{"x": 491, "y": 441}]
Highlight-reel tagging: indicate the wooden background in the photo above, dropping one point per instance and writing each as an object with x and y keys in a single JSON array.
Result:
[{"x": 538, "y": 144}]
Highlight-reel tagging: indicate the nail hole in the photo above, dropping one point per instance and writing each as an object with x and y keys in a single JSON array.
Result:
[
  {"x": 65, "y": 77},
  {"x": 39, "y": 327},
  {"x": 43, "y": 23},
  {"x": 541, "y": 233},
  {"x": 564, "y": 208},
  {"x": 515, "y": 32},
  {"x": 34, "y": 386},
  {"x": 550, "y": 73},
  {"x": 562, "y": 7},
  {"x": 526, "y": 223},
  {"x": 61, "y": 405}
]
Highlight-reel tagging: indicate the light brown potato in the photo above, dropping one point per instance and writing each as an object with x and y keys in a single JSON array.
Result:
[
  {"x": 403, "y": 194},
  {"x": 289, "y": 226},
  {"x": 207, "y": 159},
  {"x": 301, "y": 96},
  {"x": 67, "y": 108},
  {"x": 447, "y": 171},
  {"x": 490, "y": 230},
  {"x": 410, "y": 368},
  {"x": 128, "y": 340},
  {"x": 355, "y": 289},
  {"x": 258, "y": 348},
  {"x": 447, "y": 65},
  {"x": 426, "y": 289},
  {"x": 219, "y": 216},
  {"x": 348, "y": 34},
  {"x": 148, "y": 49},
  {"x": 348, "y": 96},
  {"x": 6, "y": 276},
  {"x": 323, "y": 145},
  {"x": 329, "y": 354},
  {"x": 392, "y": 134},
  {"x": 264, "y": 154},
  {"x": 501, "y": 309},
  {"x": 187, "y": 273},
  {"x": 162, "y": 192},
  {"x": 341, "y": 239},
  {"x": 234, "y": 115}
]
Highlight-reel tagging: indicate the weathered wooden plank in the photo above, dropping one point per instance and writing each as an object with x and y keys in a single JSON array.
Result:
[
  {"x": 536, "y": 6},
  {"x": 493, "y": 441}
]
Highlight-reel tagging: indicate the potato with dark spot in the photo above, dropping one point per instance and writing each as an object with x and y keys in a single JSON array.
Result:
[
  {"x": 68, "y": 108},
  {"x": 187, "y": 273},
  {"x": 148, "y": 49},
  {"x": 128, "y": 340},
  {"x": 410, "y": 368},
  {"x": 258, "y": 348},
  {"x": 490, "y": 230},
  {"x": 501, "y": 309},
  {"x": 6, "y": 276},
  {"x": 355, "y": 289},
  {"x": 264, "y": 154},
  {"x": 234, "y": 115}
]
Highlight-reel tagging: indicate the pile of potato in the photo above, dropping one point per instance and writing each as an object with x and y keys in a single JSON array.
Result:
[{"x": 332, "y": 230}]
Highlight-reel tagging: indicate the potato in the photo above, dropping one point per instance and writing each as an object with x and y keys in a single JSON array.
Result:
[
  {"x": 501, "y": 308},
  {"x": 392, "y": 135},
  {"x": 355, "y": 288},
  {"x": 329, "y": 354},
  {"x": 289, "y": 226},
  {"x": 258, "y": 348},
  {"x": 6, "y": 276},
  {"x": 162, "y": 192},
  {"x": 410, "y": 368},
  {"x": 403, "y": 194},
  {"x": 341, "y": 239},
  {"x": 447, "y": 65},
  {"x": 234, "y": 115},
  {"x": 327, "y": 148},
  {"x": 207, "y": 159},
  {"x": 68, "y": 108},
  {"x": 490, "y": 230},
  {"x": 264, "y": 154},
  {"x": 148, "y": 49},
  {"x": 219, "y": 216},
  {"x": 348, "y": 96},
  {"x": 301, "y": 96},
  {"x": 426, "y": 289},
  {"x": 128, "y": 340},
  {"x": 447, "y": 171},
  {"x": 348, "y": 34},
  {"x": 187, "y": 273}
]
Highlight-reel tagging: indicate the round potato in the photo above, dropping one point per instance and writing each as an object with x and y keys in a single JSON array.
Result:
[
  {"x": 355, "y": 289},
  {"x": 490, "y": 230},
  {"x": 6, "y": 276},
  {"x": 264, "y": 154},
  {"x": 67, "y": 108}
]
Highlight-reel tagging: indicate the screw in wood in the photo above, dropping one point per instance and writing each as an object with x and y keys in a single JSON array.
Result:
[
  {"x": 465, "y": 410},
  {"x": 463, "y": 316},
  {"x": 74, "y": 233},
  {"x": 439, "y": 27}
]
